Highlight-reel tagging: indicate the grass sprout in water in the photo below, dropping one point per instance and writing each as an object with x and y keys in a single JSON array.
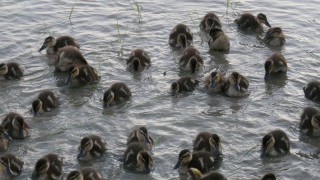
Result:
[{"x": 135, "y": 6}]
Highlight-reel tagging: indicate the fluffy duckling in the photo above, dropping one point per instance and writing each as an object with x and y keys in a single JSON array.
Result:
[
  {"x": 210, "y": 21},
  {"x": 15, "y": 125},
  {"x": 91, "y": 147},
  {"x": 208, "y": 142},
  {"x": 195, "y": 174},
  {"x": 68, "y": 56},
  {"x": 237, "y": 85},
  {"x": 117, "y": 93},
  {"x": 191, "y": 60},
  {"x": 215, "y": 82},
  {"x": 201, "y": 160},
  {"x": 269, "y": 176},
  {"x": 275, "y": 143},
  {"x": 84, "y": 174},
  {"x": 274, "y": 64},
  {"x": 4, "y": 139},
  {"x": 180, "y": 37},
  {"x": 138, "y": 60},
  {"x": 10, "y": 166},
  {"x": 48, "y": 167},
  {"x": 312, "y": 91},
  {"x": 138, "y": 159},
  {"x": 184, "y": 84},
  {"x": 274, "y": 37},
  {"x": 45, "y": 102},
  {"x": 82, "y": 74},
  {"x": 141, "y": 135},
  {"x": 219, "y": 40},
  {"x": 11, "y": 70},
  {"x": 310, "y": 121},
  {"x": 53, "y": 45},
  {"x": 247, "y": 22}
]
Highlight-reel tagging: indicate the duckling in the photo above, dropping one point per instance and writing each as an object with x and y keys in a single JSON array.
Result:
[
  {"x": 191, "y": 60},
  {"x": 274, "y": 37},
  {"x": 184, "y": 84},
  {"x": 210, "y": 21},
  {"x": 141, "y": 135},
  {"x": 138, "y": 159},
  {"x": 219, "y": 40},
  {"x": 53, "y": 45},
  {"x": 11, "y": 70},
  {"x": 117, "y": 93},
  {"x": 10, "y": 166},
  {"x": 312, "y": 91},
  {"x": 68, "y": 56},
  {"x": 45, "y": 102},
  {"x": 215, "y": 82},
  {"x": 180, "y": 37},
  {"x": 274, "y": 64},
  {"x": 237, "y": 85},
  {"x": 84, "y": 174},
  {"x": 82, "y": 74},
  {"x": 4, "y": 139},
  {"x": 247, "y": 22},
  {"x": 201, "y": 160},
  {"x": 310, "y": 121},
  {"x": 195, "y": 174},
  {"x": 275, "y": 143},
  {"x": 138, "y": 60},
  {"x": 208, "y": 142},
  {"x": 48, "y": 167},
  {"x": 15, "y": 125},
  {"x": 269, "y": 176},
  {"x": 91, "y": 147}
]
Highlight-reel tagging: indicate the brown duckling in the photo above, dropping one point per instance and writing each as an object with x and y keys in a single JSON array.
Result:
[
  {"x": 141, "y": 135},
  {"x": 312, "y": 91},
  {"x": 138, "y": 60},
  {"x": 15, "y": 125},
  {"x": 117, "y": 93},
  {"x": 48, "y": 167},
  {"x": 210, "y": 21},
  {"x": 201, "y": 160},
  {"x": 275, "y": 143},
  {"x": 180, "y": 37},
  {"x": 4, "y": 139},
  {"x": 138, "y": 159},
  {"x": 191, "y": 60},
  {"x": 68, "y": 56},
  {"x": 82, "y": 74},
  {"x": 11, "y": 70},
  {"x": 45, "y": 102},
  {"x": 84, "y": 174},
  {"x": 237, "y": 85},
  {"x": 10, "y": 166},
  {"x": 91, "y": 147},
  {"x": 274, "y": 64},
  {"x": 195, "y": 174},
  {"x": 274, "y": 37},
  {"x": 184, "y": 84},
  {"x": 53, "y": 45},
  {"x": 269, "y": 176},
  {"x": 215, "y": 82},
  {"x": 219, "y": 40},
  {"x": 208, "y": 142},
  {"x": 310, "y": 121},
  {"x": 247, "y": 22}
]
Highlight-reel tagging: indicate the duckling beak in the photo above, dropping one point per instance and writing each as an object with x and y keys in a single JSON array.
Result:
[
  {"x": 237, "y": 87},
  {"x": 267, "y": 23},
  {"x": 35, "y": 176},
  {"x": 68, "y": 79},
  {"x": 177, "y": 165},
  {"x": 266, "y": 76},
  {"x": 263, "y": 153},
  {"x": 7, "y": 136},
  {"x": 80, "y": 155},
  {"x": 105, "y": 104},
  {"x": 213, "y": 84},
  {"x": 43, "y": 47}
]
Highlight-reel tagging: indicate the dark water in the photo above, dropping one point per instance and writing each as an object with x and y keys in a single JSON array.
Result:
[{"x": 174, "y": 122}]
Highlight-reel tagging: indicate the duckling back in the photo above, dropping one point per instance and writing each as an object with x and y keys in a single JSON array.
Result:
[
  {"x": 310, "y": 121},
  {"x": 191, "y": 60},
  {"x": 312, "y": 91},
  {"x": 11, "y": 70},
  {"x": 180, "y": 37},
  {"x": 68, "y": 56},
  {"x": 219, "y": 40},
  {"x": 15, "y": 125}
]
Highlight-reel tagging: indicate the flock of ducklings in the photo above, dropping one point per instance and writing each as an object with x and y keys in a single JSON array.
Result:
[{"x": 207, "y": 151}]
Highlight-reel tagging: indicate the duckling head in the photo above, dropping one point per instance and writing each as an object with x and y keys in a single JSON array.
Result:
[
  {"x": 48, "y": 42},
  {"x": 86, "y": 145},
  {"x": 75, "y": 175},
  {"x": 145, "y": 160},
  {"x": 174, "y": 88},
  {"x": 262, "y": 18},
  {"x": 19, "y": 125},
  {"x": 275, "y": 32},
  {"x": 3, "y": 69},
  {"x": 235, "y": 80},
  {"x": 37, "y": 107},
  {"x": 108, "y": 98},
  {"x": 211, "y": 23},
  {"x": 194, "y": 174},
  {"x": 269, "y": 176},
  {"x": 143, "y": 134},
  {"x": 315, "y": 121},
  {"x": 268, "y": 142},
  {"x": 73, "y": 72},
  {"x": 268, "y": 66},
  {"x": 5, "y": 165},
  {"x": 41, "y": 168},
  {"x": 215, "y": 78},
  {"x": 214, "y": 142},
  {"x": 4, "y": 133},
  {"x": 185, "y": 156},
  {"x": 182, "y": 40}
]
